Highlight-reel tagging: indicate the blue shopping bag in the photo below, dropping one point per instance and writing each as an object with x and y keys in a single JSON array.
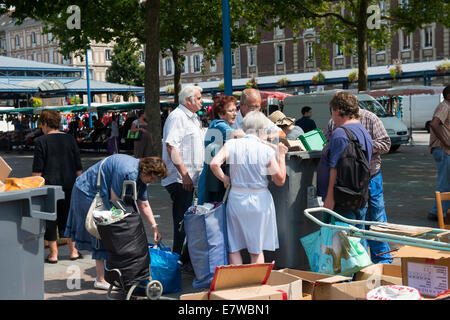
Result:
[
  {"x": 331, "y": 251},
  {"x": 206, "y": 236},
  {"x": 165, "y": 266}
]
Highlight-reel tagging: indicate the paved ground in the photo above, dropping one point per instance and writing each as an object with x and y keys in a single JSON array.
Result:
[{"x": 409, "y": 183}]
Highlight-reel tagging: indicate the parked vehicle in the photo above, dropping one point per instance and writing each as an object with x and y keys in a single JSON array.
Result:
[
  {"x": 319, "y": 102},
  {"x": 422, "y": 109}
]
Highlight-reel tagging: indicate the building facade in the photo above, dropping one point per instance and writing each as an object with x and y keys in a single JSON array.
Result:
[{"x": 281, "y": 52}]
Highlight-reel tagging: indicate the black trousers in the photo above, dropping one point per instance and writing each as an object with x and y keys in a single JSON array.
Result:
[
  {"x": 62, "y": 213},
  {"x": 181, "y": 201}
]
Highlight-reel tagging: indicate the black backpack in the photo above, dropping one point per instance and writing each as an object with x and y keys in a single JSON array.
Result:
[{"x": 351, "y": 190}]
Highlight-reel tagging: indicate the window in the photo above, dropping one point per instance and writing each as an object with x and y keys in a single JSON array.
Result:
[
  {"x": 233, "y": 58},
  {"x": 50, "y": 56},
  {"x": 107, "y": 54},
  {"x": 406, "y": 41},
  {"x": 17, "y": 41},
  {"x": 428, "y": 37},
  {"x": 89, "y": 56},
  {"x": 339, "y": 52},
  {"x": 309, "y": 50},
  {"x": 279, "y": 31},
  {"x": 197, "y": 63},
  {"x": 404, "y": 3},
  {"x": 184, "y": 67},
  {"x": 142, "y": 56},
  {"x": 33, "y": 38},
  {"x": 49, "y": 37},
  {"x": 168, "y": 66},
  {"x": 280, "y": 54},
  {"x": 251, "y": 56},
  {"x": 2, "y": 44},
  {"x": 212, "y": 66}
]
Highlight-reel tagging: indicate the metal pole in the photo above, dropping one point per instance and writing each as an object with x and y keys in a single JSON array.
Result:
[
  {"x": 228, "y": 86},
  {"x": 88, "y": 86}
]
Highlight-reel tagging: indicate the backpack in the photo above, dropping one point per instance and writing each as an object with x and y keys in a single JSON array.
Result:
[{"x": 351, "y": 190}]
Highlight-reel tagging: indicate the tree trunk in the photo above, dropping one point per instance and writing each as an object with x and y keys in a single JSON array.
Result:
[
  {"x": 152, "y": 47},
  {"x": 362, "y": 45},
  {"x": 177, "y": 74}
]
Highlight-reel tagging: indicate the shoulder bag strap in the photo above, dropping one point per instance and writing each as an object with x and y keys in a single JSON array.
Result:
[{"x": 99, "y": 174}]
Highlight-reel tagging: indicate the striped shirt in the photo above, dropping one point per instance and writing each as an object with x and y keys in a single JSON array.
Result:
[{"x": 380, "y": 138}]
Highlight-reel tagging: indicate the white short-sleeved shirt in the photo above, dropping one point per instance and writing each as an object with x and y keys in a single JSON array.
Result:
[
  {"x": 271, "y": 127},
  {"x": 182, "y": 130},
  {"x": 248, "y": 159}
]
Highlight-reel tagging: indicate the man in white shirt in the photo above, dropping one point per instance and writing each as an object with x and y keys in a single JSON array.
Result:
[
  {"x": 251, "y": 101},
  {"x": 183, "y": 153}
]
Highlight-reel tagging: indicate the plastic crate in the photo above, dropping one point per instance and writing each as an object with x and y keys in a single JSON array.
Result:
[{"x": 313, "y": 140}]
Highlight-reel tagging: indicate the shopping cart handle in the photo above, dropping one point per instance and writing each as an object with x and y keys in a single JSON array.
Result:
[
  {"x": 133, "y": 186},
  {"x": 308, "y": 214}
]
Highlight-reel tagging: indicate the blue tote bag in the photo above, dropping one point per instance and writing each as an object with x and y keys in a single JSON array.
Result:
[
  {"x": 206, "y": 235},
  {"x": 165, "y": 266}
]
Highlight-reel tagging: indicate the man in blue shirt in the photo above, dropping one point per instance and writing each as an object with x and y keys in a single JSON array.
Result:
[
  {"x": 344, "y": 112},
  {"x": 306, "y": 123}
]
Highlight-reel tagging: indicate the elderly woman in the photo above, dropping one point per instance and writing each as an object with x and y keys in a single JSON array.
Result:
[
  {"x": 114, "y": 171},
  {"x": 211, "y": 189},
  {"x": 251, "y": 221}
]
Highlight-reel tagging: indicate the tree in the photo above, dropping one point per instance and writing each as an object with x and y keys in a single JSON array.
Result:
[
  {"x": 104, "y": 21},
  {"x": 125, "y": 68},
  {"x": 354, "y": 25}
]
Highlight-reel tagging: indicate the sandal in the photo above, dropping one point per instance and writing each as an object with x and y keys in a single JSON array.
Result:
[
  {"x": 80, "y": 256},
  {"x": 47, "y": 260}
]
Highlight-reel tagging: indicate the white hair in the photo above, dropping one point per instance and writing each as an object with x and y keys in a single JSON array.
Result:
[
  {"x": 254, "y": 122},
  {"x": 188, "y": 92}
]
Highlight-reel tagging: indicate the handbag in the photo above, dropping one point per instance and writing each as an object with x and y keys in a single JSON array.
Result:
[
  {"x": 133, "y": 135},
  {"x": 96, "y": 204},
  {"x": 165, "y": 266},
  {"x": 331, "y": 251}
]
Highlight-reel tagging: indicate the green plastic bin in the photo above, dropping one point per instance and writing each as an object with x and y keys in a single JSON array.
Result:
[
  {"x": 313, "y": 140},
  {"x": 22, "y": 226}
]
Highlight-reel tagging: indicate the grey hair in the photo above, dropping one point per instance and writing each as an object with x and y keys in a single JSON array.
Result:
[
  {"x": 248, "y": 92},
  {"x": 188, "y": 92},
  {"x": 254, "y": 122}
]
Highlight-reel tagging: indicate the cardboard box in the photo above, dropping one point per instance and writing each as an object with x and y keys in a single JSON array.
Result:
[
  {"x": 354, "y": 290},
  {"x": 380, "y": 271},
  {"x": 426, "y": 270},
  {"x": 5, "y": 170},
  {"x": 250, "y": 282},
  {"x": 311, "y": 281},
  {"x": 293, "y": 144}
]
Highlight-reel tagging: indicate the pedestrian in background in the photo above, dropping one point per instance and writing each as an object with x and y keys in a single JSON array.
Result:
[
  {"x": 305, "y": 122},
  {"x": 183, "y": 154},
  {"x": 113, "y": 141},
  {"x": 250, "y": 210},
  {"x": 57, "y": 160},
  {"x": 142, "y": 146},
  {"x": 286, "y": 124},
  {"x": 440, "y": 149}
]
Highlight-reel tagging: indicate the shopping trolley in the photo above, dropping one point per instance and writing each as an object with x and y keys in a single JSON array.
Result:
[{"x": 425, "y": 237}]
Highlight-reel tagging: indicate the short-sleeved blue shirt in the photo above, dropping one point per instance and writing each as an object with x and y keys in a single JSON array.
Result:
[
  {"x": 115, "y": 170},
  {"x": 333, "y": 150}
]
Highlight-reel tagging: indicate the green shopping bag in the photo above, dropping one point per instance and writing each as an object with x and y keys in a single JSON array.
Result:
[
  {"x": 331, "y": 251},
  {"x": 133, "y": 135}
]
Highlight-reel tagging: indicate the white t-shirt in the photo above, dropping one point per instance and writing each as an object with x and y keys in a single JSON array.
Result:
[{"x": 182, "y": 130}]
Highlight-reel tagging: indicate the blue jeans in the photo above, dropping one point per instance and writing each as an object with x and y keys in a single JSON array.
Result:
[
  {"x": 375, "y": 211},
  {"x": 443, "y": 177}
]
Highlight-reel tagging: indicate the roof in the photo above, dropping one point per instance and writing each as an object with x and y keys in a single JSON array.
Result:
[
  {"x": 335, "y": 76},
  {"x": 80, "y": 85},
  {"x": 23, "y": 64},
  {"x": 43, "y": 85},
  {"x": 7, "y": 87}
]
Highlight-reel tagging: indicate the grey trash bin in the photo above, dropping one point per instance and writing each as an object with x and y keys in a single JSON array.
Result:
[
  {"x": 22, "y": 226},
  {"x": 297, "y": 194}
]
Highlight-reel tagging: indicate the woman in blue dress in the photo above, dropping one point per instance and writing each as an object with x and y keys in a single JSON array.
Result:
[
  {"x": 114, "y": 171},
  {"x": 211, "y": 189}
]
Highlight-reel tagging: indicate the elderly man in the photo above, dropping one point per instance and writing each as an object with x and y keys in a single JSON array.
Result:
[
  {"x": 183, "y": 156},
  {"x": 376, "y": 207},
  {"x": 440, "y": 149},
  {"x": 251, "y": 101}
]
